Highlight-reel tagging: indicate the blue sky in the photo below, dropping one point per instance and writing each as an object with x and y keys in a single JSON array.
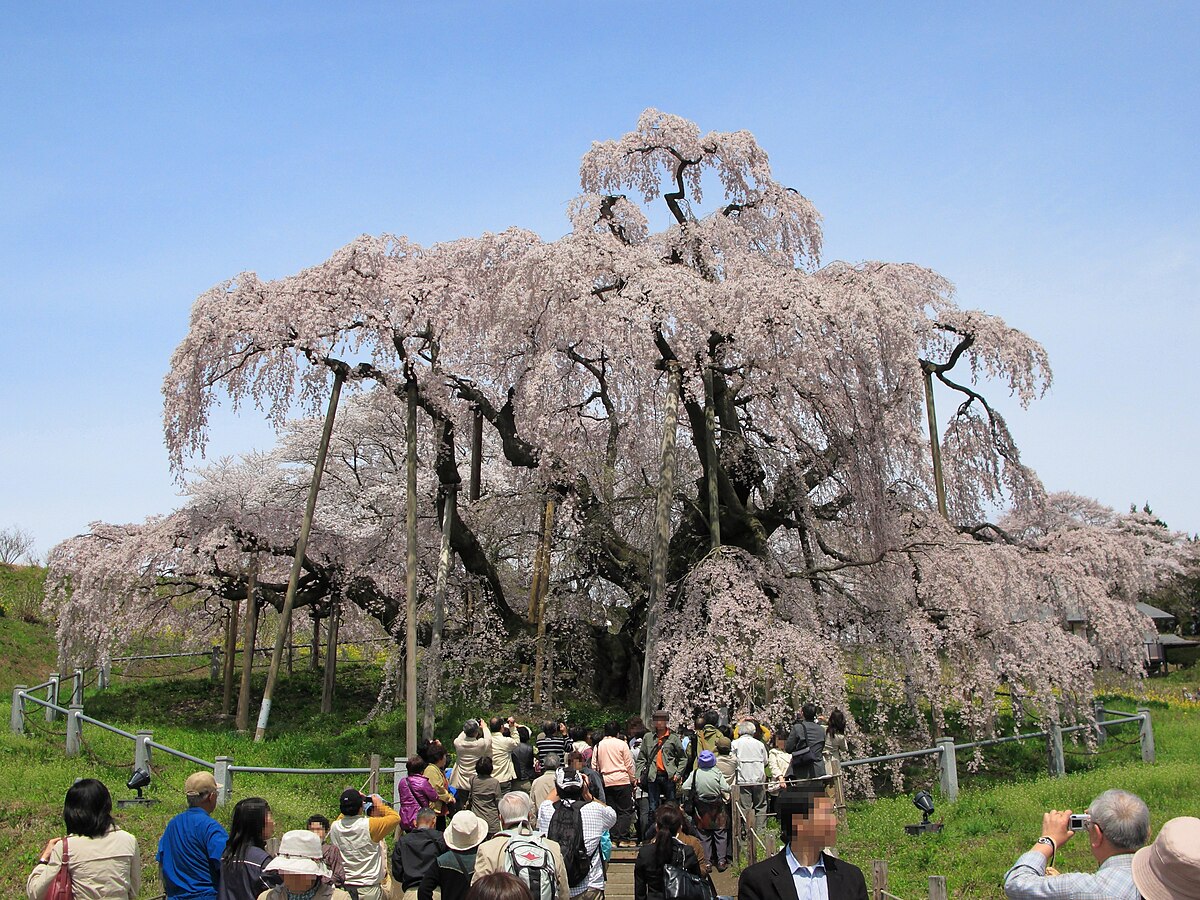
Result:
[{"x": 1042, "y": 156}]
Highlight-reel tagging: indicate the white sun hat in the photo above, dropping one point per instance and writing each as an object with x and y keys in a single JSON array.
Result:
[
  {"x": 466, "y": 831},
  {"x": 299, "y": 854}
]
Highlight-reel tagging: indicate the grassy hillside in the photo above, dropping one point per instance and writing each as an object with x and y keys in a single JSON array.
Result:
[
  {"x": 28, "y": 653},
  {"x": 21, "y": 591}
]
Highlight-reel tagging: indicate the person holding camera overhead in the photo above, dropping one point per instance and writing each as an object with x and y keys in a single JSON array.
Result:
[
  {"x": 364, "y": 822},
  {"x": 1116, "y": 825}
]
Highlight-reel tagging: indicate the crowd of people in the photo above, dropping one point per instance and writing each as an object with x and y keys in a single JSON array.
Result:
[{"x": 534, "y": 816}]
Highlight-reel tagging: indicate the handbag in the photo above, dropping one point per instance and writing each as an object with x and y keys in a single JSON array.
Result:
[
  {"x": 680, "y": 884},
  {"x": 62, "y": 888}
]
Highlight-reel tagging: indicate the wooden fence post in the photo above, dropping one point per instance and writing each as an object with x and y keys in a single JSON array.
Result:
[
  {"x": 937, "y": 887},
  {"x": 224, "y": 778},
  {"x": 214, "y": 665},
  {"x": 878, "y": 878},
  {"x": 16, "y": 721},
  {"x": 1147, "y": 735},
  {"x": 74, "y": 726},
  {"x": 1055, "y": 747},
  {"x": 948, "y": 769},
  {"x": 373, "y": 784},
  {"x": 141, "y": 750},
  {"x": 52, "y": 696},
  {"x": 1098, "y": 715}
]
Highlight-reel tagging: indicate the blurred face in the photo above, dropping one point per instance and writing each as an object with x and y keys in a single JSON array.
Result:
[
  {"x": 268, "y": 826},
  {"x": 318, "y": 829},
  {"x": 820, "y": 828},
  {"x": 298, "y": 884},
  {"x": 660, "y": 725}
]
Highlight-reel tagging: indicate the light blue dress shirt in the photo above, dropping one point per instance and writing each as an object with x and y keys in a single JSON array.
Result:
[{"x": 810, "y": 881}]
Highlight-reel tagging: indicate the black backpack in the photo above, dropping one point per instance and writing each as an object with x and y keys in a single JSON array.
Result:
[{"x": 566, "y": 827}]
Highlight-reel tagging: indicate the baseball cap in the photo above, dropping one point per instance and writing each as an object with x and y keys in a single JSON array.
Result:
[
  {"x": 199, "y": 784},
  {"x": 350, "y": 802}
]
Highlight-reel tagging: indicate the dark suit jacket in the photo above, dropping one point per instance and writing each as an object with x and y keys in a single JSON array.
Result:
[{"x": 771, "y": 879}]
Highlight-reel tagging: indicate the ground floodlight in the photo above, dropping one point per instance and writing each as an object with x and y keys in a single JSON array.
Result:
[
  {"x": 924, "y": 802},
  {"x": 138, "y": 779}
]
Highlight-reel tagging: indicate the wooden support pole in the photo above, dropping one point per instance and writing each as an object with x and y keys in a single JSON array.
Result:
[
  {"x": 314, "y": 650},
  {"x": 410, "y": 605},
  {"x": 331, "y": 639},
  {"x": 248, "y": 642},
  {"x": 935, "y": 447},
  {"x": 231, "y": 634},
  {"x": 285, "y": 615},
  {"x": 662, "y": 537},
  {"x": 476, "y": 455},
  {"x": 433, "y": 659},
  {"x": 541, "y": 586},
  {"x": 710, "y": 462}
]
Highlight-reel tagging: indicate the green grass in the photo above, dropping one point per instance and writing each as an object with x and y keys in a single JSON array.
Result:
[
  {"x": 997, "y": 816},
  {"x": 992, "y": 824}
]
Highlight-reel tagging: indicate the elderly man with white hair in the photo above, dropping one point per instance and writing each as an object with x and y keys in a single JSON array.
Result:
[
  {"x": 1117, "y": 825},
  {"x": 521, "y": 851},
  {"x": 751, "y": 756}
]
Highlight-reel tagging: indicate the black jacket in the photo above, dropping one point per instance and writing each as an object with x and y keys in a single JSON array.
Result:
[
  {"x": 415, "y": 854},
  {"x": 806, "y": 734},
  {"x": 522, "y": 760},
  {"x": 771, "y": 879},
  {"x": 648, "y": 874}
]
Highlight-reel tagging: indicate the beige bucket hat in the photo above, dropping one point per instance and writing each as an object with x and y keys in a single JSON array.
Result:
[{"x": 1169, "y": 869}]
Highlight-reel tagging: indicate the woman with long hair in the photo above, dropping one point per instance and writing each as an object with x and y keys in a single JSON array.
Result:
[
  {"x": 242, "y": 876},
  {"x": 835, "y": 737},
  {"x": 665, "y": 848},
  {"x": 104, "y": 861}
]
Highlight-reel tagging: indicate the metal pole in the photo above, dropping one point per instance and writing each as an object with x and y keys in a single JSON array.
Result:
[
  {"x": 285, "y": 615},
  {"x": 433, "y": 659},
  {"x": 662, "y": 536},
  {"x": 410, "y": 605},
  {"x": 248, "y": 641},
  {"x": 935, "y": 447}
]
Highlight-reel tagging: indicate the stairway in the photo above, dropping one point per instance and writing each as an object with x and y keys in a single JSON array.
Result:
[{"x": 619, "y": 878}]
